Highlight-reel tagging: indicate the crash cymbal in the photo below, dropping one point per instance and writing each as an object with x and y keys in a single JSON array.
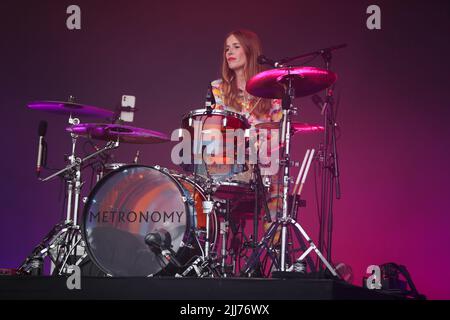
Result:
[
  {"x": 305, "y": 80},
  {"x": 296, "y": 127},
  {"x": 74, "y": 109},
  {"x": 114, "y": 132}
]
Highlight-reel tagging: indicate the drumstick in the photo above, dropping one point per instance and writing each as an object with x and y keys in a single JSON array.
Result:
[
  {"x": 306, "y": 171},
  {"x": 300, "y": 173}
]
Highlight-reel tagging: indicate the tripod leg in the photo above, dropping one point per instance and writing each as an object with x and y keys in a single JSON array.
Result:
[
  {"x": 312, "y": 246},
  {"x": 263, "y": 244},
  {"x": 303, "y": 247},
  {"x": 71, "y": 249}
]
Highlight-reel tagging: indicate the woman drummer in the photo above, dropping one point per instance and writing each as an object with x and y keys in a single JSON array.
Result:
[{"x": 240, "y": 54}]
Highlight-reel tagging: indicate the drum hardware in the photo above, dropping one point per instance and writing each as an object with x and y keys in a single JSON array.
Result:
[
  {"x": 59, "y": 245},
  {"x": 282, "y": 62},
  {"x": 330, "y": 163},
  {"x": 207, "y": 208},
  {"x": 63, "y": 241},
  {"x": 270, "y": 244},
  {"x": 234, "y": 190},
  {"x": 260, "y": 197},
  {"x": 229, "y": 253},
  {"x": 224, "y": 230},
  {"x": 65, "y": 238},
  {"x": 237, "y": 192},
  {"x": 206, "y": 265},
  {"x": 287, "y": 83}
]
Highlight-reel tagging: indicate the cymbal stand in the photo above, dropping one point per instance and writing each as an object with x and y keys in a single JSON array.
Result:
[
  {"x": 64, "y": 240},
  {"x": 285, "y": 220}
]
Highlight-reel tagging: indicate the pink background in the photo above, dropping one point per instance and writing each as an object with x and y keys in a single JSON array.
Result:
[{"x": 393, "y": 112}]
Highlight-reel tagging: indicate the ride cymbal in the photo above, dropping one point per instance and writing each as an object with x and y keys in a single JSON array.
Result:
[{"x": 271, "y": 84}]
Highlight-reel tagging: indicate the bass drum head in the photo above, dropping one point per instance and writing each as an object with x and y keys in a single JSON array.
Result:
[{"x": 123, "y": 208}]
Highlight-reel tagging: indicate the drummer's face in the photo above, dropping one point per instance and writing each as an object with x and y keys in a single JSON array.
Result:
[{"x": 234, "y": 53}]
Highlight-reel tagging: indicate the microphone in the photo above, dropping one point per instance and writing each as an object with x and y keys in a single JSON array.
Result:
[
  {"x": 42, "y": 130},
  {"x": 262, "y": 59},
  {"x": 158, "y": 240},
  {"x": 210, "y": 100}
]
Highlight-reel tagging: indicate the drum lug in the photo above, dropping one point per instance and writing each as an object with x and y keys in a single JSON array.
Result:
[{"x": 157, "y": 167}]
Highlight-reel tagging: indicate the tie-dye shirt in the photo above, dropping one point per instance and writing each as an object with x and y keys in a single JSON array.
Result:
[{"x": 275, "y": 113}]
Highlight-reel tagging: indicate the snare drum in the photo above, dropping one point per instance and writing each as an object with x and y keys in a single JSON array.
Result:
[
  {"x": 134, "y": 201},
  {"x": 211, "y": 134}
]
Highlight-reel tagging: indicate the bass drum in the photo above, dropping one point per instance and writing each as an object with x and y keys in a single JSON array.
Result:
[{"x": 134, "y": 201}]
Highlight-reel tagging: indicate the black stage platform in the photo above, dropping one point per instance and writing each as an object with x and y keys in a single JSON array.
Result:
[{"x": 95, "y": 288}]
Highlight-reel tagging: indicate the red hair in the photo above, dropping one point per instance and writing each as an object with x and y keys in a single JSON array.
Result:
[{"x": 252, "y": 48}]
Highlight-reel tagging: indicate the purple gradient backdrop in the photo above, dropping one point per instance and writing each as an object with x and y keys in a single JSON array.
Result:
[{"x": 394, "y": 111}]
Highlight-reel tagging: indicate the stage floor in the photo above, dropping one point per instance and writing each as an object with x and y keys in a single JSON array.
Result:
[{"x": 100, "y": 288}]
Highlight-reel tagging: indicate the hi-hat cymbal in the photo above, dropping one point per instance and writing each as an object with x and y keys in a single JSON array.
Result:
[
  {"x": 114, "y": 132},
  {"x": 305, "y": 80},
  {"x": 74, "y": 109},
  {"x": 296, "y": 127}
]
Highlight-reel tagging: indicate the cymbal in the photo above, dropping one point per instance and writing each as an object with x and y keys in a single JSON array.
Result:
[
  {"x": 114, "y": 132},
  {"x": 305, "y": 80},
  {"x": 296, "y": 127},
  {"x": 74, "y": 109}
]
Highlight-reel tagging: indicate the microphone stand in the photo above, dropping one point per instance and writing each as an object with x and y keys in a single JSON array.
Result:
[
  {"x": 330, "y": 169},
  {"x": 280, "y": 63}
]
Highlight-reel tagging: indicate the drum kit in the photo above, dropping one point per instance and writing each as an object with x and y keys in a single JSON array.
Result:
[{"x": 146, "y": 220}]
